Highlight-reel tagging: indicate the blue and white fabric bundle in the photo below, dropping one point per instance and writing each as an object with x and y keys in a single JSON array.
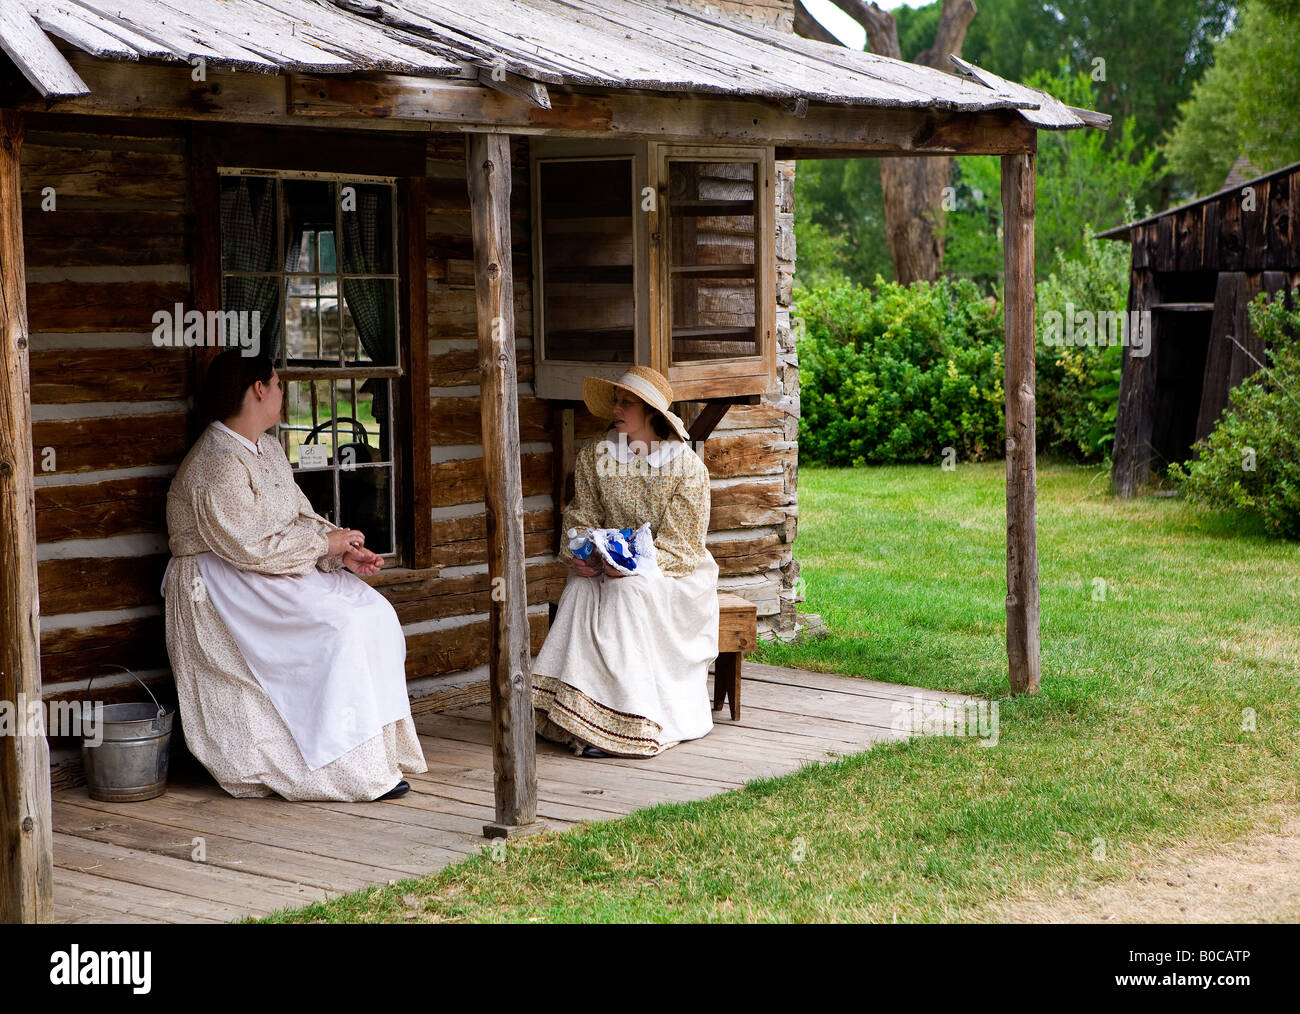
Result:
[{"x": 627, "y": 550}]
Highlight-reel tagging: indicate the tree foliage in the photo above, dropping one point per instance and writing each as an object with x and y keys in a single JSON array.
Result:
[
  {"x": 899, "y": 374},
  {"x": 1246, "y": 102},
  {"x": 840, "y": 221},
  {"x": 1081, "y": 178},
  {"x": 1153, "y": 51},
  {"x": 1078, "y": 386}
]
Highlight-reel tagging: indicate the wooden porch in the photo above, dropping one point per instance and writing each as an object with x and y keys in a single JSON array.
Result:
[{"x": 134, "y": 862}]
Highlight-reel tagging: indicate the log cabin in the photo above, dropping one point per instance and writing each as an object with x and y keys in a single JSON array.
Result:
[
  {"x": 415, "y": 197},
  {"x": 1194, "y": 271}
]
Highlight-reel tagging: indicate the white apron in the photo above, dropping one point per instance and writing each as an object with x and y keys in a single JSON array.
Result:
[
  {"x": 641, "y": 645},
  {"x": 327, "y": 649}
]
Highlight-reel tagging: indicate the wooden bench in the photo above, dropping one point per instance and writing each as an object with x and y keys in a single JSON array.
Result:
[{"x": 737, "y": 634}]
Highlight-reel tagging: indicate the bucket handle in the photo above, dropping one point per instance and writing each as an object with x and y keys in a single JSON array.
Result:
[{"x": 161, "y": 710}]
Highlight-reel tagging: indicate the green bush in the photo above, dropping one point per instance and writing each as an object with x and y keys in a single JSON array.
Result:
[
  {"x": 899, "y": 374},
  {"x": 1251, "y": 460},
  {"x": 1078, "y": 387}
]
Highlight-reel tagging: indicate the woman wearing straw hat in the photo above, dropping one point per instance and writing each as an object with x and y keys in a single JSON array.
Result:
[{"x": 624, "y": 668}]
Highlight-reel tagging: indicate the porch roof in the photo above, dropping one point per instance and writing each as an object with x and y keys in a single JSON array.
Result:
[{"x": 609, "y": 44}]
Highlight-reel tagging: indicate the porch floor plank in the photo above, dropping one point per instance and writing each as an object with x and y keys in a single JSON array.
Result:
[
  {"x": 597, "y": 787},
  {"x": 270, "y": 861},
  {"x": 131, "y": 862},
  {"x": 858, "y": 685},
  {"x": 178, "y": 876},
  {"x": 727, "y": 742}
]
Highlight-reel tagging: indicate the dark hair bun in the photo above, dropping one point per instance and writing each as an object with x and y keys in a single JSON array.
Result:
[{"x": 229, "y": 376}]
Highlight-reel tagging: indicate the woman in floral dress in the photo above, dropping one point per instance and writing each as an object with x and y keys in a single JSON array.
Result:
[
  {"x": 624, "y": 669},
  {"x": 289, "y": 669}
]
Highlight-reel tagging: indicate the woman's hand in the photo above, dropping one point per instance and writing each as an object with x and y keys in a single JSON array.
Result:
[
  {"x": 343, "y": 539},
  {"x": 362, "y": 561},
  {"x": 583, "y": 568},
  {"x": 610, "y": 571}
]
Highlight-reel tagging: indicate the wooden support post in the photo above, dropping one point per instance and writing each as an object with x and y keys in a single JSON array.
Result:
[
  {"x": 562, "y": 462},
  {"x": 1022, "y": 533},
  {"x": 562, "y": 483},
  {"x": 1133, "y": 418},
  {"x": 513, "y": 729},
  {"x": 26, "y": 838}
]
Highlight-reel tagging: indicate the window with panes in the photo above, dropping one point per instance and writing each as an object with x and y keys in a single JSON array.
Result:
[{"x": 316, "y": 256}]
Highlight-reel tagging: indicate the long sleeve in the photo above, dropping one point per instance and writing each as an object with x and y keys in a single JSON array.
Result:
[
  {"x": 307, "y": 513},
  {"x": 585, "y": 510},
  {"x": 242, "y": 529},
  {"x": 679, "y": 545}
]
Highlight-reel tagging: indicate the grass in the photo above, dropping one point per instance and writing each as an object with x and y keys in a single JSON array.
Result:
[{"x": 1136, "y": 740}]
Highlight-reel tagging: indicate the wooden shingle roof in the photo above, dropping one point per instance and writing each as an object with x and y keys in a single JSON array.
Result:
[{"x": 608, "y": 44}]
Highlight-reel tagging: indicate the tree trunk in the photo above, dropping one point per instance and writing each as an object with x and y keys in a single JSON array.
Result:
[
  {"x": 810, "y": 28},
  {"x": 913, "y": 187}
]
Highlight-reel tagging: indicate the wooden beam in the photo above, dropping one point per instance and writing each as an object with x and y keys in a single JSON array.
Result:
[
  {"x": 26, "y": 839},
  {"x": 1022, "y": 532},
  {"x": 532, "y": 92},
  {"x": 704, "y": 424},
  {"x": 487, "y": 158},
  {"x": 393, "y": 102},
  {"x": 415, "y": 407},
  {"x": 686, "y": 118}
]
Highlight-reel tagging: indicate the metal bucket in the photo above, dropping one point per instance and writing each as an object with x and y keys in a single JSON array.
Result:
[{"x": 130, "y": 763}]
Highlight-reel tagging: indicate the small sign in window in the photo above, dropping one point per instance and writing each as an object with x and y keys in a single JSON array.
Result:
[{"x": 313, "y": 456}]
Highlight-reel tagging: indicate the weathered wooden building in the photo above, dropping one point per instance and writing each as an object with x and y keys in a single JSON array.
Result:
[
  {"x": 1196, "y": 268},
  {"x": 445, "y": 215}
]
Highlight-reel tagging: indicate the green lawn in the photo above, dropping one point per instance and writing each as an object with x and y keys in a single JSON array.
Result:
[{"x": 1136, "y": 738}]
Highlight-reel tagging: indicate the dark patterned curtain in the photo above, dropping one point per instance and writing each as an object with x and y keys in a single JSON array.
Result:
[
  {"x": 370, "y": 300},
  {"x": 248, "y": 213}
]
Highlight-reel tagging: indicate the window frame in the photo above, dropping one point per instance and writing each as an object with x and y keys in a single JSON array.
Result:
[
  {"x": 561, "y": 379},
  {"x": 692, "y": 381},
  {"x": 333, "y": 375},
  {"x": 701, "y": 379},
  {"x": 397, "y": 159}
]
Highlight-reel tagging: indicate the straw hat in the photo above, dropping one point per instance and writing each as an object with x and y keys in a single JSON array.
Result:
[{"x": 649, "y": 385}]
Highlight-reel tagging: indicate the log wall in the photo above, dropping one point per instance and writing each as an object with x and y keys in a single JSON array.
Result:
[
  {"x": 1246, "y": 231},
  {"x": 107, "y": 238},
  {"x": 111, "y": 415},
  {"x": 753, "y": 455}
]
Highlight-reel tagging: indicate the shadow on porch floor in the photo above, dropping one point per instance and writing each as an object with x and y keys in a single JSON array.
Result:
[{"x": 138, "y": 862}]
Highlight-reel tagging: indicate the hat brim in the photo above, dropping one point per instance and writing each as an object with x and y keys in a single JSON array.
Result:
[{"x": 598, "y": 395}]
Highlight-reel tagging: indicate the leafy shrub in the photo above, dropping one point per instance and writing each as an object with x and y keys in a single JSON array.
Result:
[
  {"x": 1078, "y": 387},
  {"x": 1251, "y": 459},
  {"x": 899, "y": 374}
]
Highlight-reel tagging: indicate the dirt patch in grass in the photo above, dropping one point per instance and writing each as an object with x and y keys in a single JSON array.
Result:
[{"x": 1254, "y": 880}]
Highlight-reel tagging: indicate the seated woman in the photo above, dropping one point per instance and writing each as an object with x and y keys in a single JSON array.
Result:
[
  {"x": 624, "y": 668},
  {"x": 289, "y": 669}
]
